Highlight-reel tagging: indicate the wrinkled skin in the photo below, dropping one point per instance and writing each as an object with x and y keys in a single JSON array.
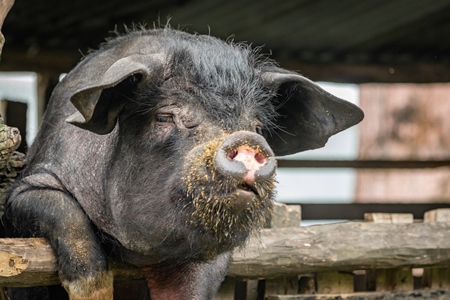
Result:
[{"x": 158, "y": 150}]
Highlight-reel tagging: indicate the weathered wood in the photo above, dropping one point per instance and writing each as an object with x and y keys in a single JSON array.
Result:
[
  {"x": 406, "y": 122},
  {"x": 5, "y": 6},
  {"x": 27, "y": 262},
  {"x": 356, "y": 211},
  {"x": 226, "y": 290},
  {"x": 334, "y": 283},
  {"x": 362, "y": 73},
  {"x": 253, "y": 290},
  {"x": 39, "y": 60},
  {"x": 365, "y": 164},
  {"x": 285, "y": 216},
  {"x": 282, "y": 286},
  {"x": 437, "y": 278},
  {"x": 389, "y": 218},
  {"x": 437, "y": 215},
  {"x": 416, "y": 295},
  {"x": 345, "y": 247},
  {"x": 397, "y": 279},
  {"x": 276, "y": 253},
  {"x": 307, "y": 284},
  {"x": 11, "y": 161}
]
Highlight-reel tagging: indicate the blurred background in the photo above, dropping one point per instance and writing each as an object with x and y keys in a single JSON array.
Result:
[{"x": 392, "y": 58}]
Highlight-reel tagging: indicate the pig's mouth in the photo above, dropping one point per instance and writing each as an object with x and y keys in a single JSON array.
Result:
[{"x": 247, "y": 188}]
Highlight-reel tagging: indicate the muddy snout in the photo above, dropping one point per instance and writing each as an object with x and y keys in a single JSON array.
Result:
[{"x": 246, "y": 156}]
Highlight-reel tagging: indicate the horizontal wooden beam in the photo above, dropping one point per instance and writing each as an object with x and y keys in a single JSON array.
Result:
[
  {"x": 61, "y": 61},
  {"x": 36, "y": 60},
  {"x": 274, "y": 253},
  {"x": 416, "y": 295},
  {"x": 342, "y": 247},
  {"x": 356, "y": 211},
  {"x": 364, "y": 164},
  {"x": 412, "y": 72}
]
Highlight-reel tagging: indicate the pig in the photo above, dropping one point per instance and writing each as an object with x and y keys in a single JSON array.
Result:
[{"x": 158, "y": 150}]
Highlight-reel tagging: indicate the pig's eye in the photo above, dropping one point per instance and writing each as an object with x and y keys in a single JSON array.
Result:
[
  {"x": 164, "y": 118},
  {"x": 259, "y": 130}
]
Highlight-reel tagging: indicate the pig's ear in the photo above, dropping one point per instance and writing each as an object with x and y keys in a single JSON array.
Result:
[
  {"x": 98, "y": 92},
  {"x": 307, "y": 115}
]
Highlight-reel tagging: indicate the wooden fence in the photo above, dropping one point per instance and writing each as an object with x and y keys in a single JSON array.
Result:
[{"x": 385, "y": 255}]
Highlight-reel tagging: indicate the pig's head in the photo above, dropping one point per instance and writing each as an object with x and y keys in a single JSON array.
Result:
[{"x": 197, "y": 123}]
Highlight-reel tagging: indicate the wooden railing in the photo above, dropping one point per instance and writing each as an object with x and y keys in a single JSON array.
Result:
[
  {"x": 400, "y": 251},
  {"x": 364, "y": 164},
  {"x": 384, "y": 252}
]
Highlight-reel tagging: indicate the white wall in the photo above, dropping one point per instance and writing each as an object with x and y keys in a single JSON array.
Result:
[
  {"x": 324, "y": 185},
  {"x": 22, "y": 87}
]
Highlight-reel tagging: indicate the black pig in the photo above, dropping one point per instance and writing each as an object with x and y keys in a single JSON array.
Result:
[{"x": 162, "y": 145}]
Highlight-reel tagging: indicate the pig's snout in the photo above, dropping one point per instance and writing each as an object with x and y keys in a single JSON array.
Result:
[{"x": 246, "y": 156}]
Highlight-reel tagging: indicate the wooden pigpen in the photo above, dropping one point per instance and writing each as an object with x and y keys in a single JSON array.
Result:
[{"x": 387, "y": 256}]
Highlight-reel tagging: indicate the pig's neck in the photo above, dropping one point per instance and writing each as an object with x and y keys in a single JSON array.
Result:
[{"x": 171, "y": 283}]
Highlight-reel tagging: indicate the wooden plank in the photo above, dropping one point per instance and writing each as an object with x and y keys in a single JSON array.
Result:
[
  {"x": 226, "y": 290},
  {"x": 363, "y": 73},
  {"x": 281, "y": 286},
  {"x": 364, "y": 164},
  {"x": 416, "y": 295},
  {"x": 437, "y": 215},
  {"x": 285, "y": 215},
  {"x": 275, "y": 253},
  {"x": 389, "y": 218},
  {"x": 356, "y": 211},
  {"x": 307, "y": 284},
  {"x": 27, "y": 262},
  {"x": 397, "y": 279},
  {"x": 344, "y": 247},
  {"x": 334, "y": 283},
  {"x": 52, "y": 62},
  {"x": 5, "y": 6},
  {"x": 403, "y": 125},
  {"x": 437, "y": 278}
]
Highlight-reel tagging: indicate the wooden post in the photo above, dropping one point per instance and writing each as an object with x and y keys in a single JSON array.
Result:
[
  {"x": 5, "y": 6},
  {"x": 226, "y": 290},
  {"x": 307, "y": 284},
  {"x": 399, "y": 279},
  {"x": 283, "y": 216},
  {"x": 437, "y": 215},
  {"x": 334, "y": 283},
  {"x": 389, "y": 218},
  {"x": 437, "y": 278}
]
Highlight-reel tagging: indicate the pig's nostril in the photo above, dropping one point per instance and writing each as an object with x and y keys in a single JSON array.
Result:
[
  {"x": 232, "y": 154},
  {"x": 247, "y": 154},
  {"x": 260, "y": 158}
]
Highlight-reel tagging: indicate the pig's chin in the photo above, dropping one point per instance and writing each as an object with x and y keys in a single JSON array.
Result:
[{"x": 228, "y": 211}]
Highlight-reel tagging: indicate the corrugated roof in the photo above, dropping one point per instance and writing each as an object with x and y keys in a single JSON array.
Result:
[{"x": 347, "y": 40}]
